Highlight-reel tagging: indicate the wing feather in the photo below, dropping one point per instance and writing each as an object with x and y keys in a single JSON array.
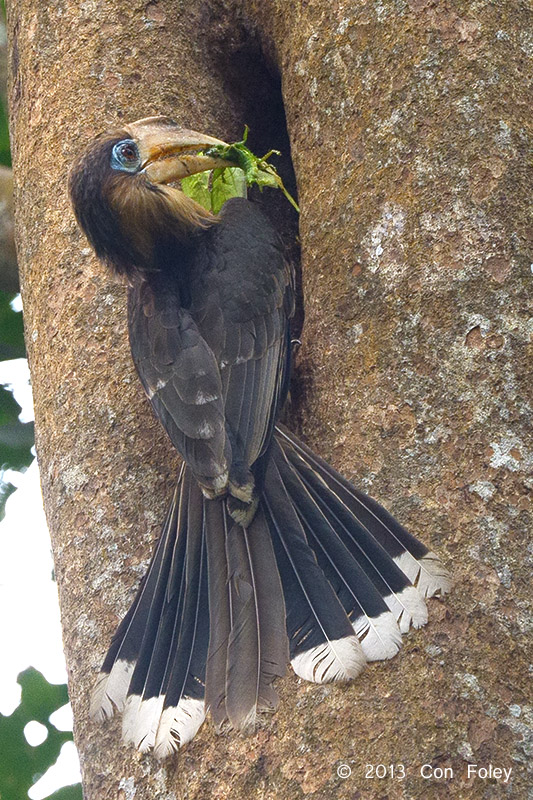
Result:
[{"x": 214, "y": 366}]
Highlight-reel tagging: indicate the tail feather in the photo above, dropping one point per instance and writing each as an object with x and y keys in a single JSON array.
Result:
[
  {"x": 427, "y": 573},
  {"x": 248, "y": 645},
  {"x": 322, "y": 643},
  {"x": 219, "y": 613},
  {"x": 399, "y": 595},
  {"x": 243, "y": 649},
  {"x": 184, "y": 683},
  {"x": 272, "y": 612},
  {"x": 322, "y": 575},
  {"x": 113, "y": 683},
  {"x": 422, "y": 567},
  {"x": 403, "y": 600},
  {"x": 372, "y": 622},
  {"x": 146, "y": 693},
  {"x": 257, "y": 645}
]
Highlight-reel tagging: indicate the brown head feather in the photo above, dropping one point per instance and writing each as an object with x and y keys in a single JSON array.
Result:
[{"x": 128, "y": 220}]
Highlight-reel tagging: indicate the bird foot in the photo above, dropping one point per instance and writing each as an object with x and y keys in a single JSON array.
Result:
[{"x": 242, "y": 512}]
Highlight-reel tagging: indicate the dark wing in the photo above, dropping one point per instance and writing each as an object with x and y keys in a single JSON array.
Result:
[
  {"x": 181, "y": 378},
  {"x": 242, "y": 304},
  {"x": 215, "y": 371}
]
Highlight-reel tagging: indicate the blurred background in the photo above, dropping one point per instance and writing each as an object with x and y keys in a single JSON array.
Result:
[{"x": 38, "y": 758}]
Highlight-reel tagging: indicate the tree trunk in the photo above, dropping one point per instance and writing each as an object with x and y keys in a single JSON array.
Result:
[
  {"x": 9, "y": 281},
  {"x": 409, "y": 126}
]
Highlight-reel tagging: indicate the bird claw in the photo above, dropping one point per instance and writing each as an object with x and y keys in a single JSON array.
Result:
[{"x": 242, "y": 512}]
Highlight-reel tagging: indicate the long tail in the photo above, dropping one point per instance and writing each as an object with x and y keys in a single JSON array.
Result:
[
  {"x": 164, "y": 668},
  {"x": 323, "y": 576}
]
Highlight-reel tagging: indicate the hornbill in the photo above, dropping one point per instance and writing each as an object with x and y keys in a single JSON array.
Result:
[{"x": 267, "y": 555}]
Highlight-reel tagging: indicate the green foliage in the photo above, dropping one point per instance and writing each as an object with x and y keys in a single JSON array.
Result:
[
  {"x": 16, "y": 438},
  {"x": 11, "y": 330},
  {"x": 212, "y": 189},
  {"x": 21, "y": 765},
  {"x": 5, "y": 154},
  {"x": 229, "y": 182},
  {"x": 197, "y": 187}
]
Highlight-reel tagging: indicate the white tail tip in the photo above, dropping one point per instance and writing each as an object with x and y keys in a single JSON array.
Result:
[
  {"x": 178, "y": 725},
  {"x": 140, "y": 721},
  {"x": 336, "y": 660},
  {"x": 110, "y": 690},
  {"x": 408, "y": 608},
  {"x": 427, "y": 573},
  {"x": 380, "y": 636}
]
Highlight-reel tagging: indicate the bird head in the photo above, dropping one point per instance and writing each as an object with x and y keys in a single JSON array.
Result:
[{"x": 121, "y": 197}]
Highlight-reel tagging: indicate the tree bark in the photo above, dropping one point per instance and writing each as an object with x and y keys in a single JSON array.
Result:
[
  {"x": 9, "y": 281},
  {"x": 8, "y": 258},
  {"x": 409, "y": 126}
]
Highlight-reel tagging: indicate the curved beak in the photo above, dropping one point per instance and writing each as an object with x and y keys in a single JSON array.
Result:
[{"x": 170, "y": 153}]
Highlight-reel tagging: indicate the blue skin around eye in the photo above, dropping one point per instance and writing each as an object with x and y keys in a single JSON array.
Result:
[{"x": 116, "y": 159}]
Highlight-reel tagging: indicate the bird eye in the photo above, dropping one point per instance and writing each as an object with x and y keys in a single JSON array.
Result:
[{"x": 125, "y": 156}]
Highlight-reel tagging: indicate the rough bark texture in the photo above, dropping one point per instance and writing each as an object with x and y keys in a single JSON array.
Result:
[
  {"x": 3, "y": 61},
  {"x": 409, "y": 124},
  {"x": 9, "y": 281},
  {"x": 8, "y": 258}
]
